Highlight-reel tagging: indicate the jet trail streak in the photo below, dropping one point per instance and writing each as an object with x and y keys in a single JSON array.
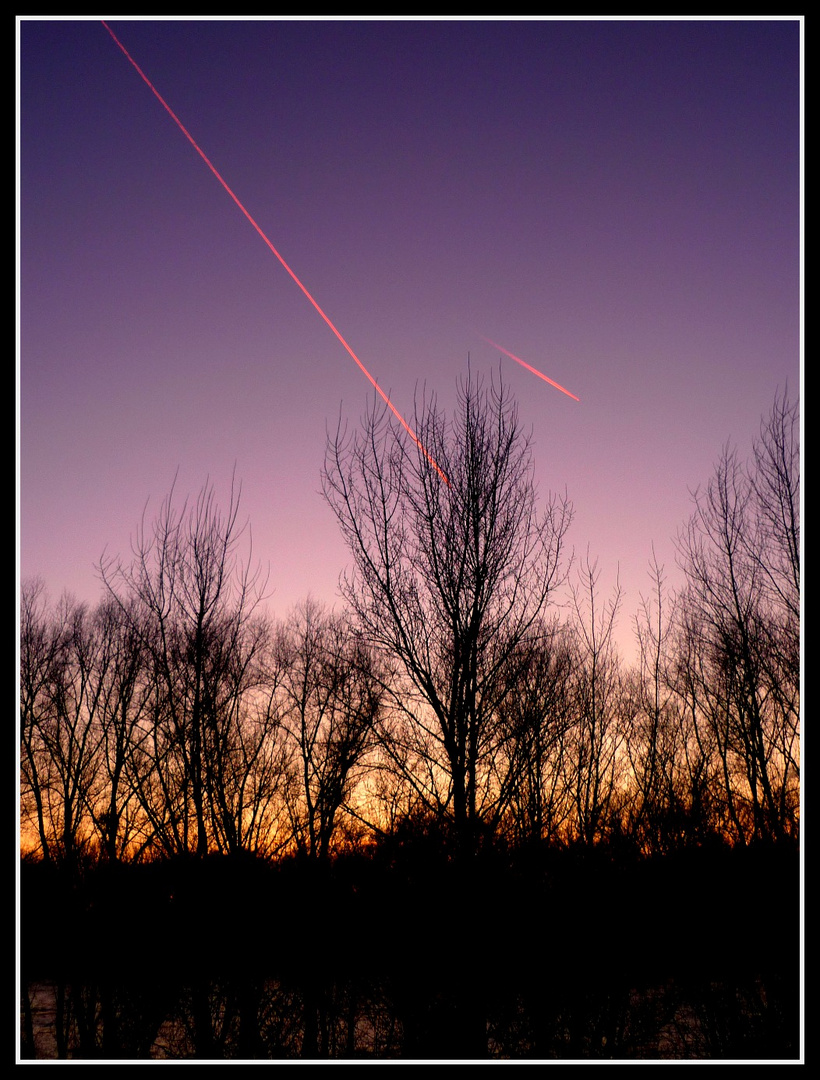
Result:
[
  {"x": 326, "y": 319},
  {"x": 535, "y": 371}
]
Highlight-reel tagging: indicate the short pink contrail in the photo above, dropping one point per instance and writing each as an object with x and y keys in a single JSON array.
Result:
[
  {"x": 327, "y": 320},
  {"x": 524, "y": 363}
]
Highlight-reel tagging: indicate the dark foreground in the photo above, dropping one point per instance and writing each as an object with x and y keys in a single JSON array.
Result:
[{"x": 406, "y": 953}]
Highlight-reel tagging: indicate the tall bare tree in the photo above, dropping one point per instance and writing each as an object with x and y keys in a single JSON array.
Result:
[
  {"x": 194, "y": 604},
  {"x": 453, "y": 564},
  {"x": 124, "y": 691},
  {"x": 593, "y": 770},
  {"x": 656, "y": 740},
  {"x": 40, "y": 650},
  {"x": 740, "y": 553},
  {"x": 64, "y": 660}
]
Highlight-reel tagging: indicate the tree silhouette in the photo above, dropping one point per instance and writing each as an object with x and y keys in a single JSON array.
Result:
[
  {"x": 740, "y": 553},
  {"x": 39, "y": 650},
  {"x": 537, "y": 717},
  {"x": 595, "y": 741},
  {"x": 64, "y": 659},
  {"x": 655, "y": 739},
  {"x": 449, "y": 575},
  {"x": 331, "y": 697},
  {"x": 193, "y": 605}
]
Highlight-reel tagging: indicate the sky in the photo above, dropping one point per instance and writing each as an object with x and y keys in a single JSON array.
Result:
[{"x": 616, "y": 202}]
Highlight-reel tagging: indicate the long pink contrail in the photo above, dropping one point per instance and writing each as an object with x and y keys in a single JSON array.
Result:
[
  {"x": 535, "y": 371},
  {"x": 327, "y": 320}
]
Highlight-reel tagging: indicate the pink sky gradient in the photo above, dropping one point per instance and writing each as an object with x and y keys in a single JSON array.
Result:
[{"x": 617, "y": 203}]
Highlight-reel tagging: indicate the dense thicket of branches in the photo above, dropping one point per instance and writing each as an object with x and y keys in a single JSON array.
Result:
[{"x": 428, "y": 799}]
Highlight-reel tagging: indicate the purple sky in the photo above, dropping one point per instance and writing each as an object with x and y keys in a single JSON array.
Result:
[{"x": 618, "y": 203}]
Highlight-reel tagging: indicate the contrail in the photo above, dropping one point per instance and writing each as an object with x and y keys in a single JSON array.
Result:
[
  {"x": 524, "y": 363},
  {"x": 327, "y": 320}
]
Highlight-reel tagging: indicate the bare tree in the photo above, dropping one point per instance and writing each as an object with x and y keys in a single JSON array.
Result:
[
  {"x": 194, "y": 605},
  {"x": 740, "y": 553},
  {"x": 452, "y": 566},
  {"x": 710, "y": 768},
  {"x": 775, "y": 481},
  {"x": 63, "y": 660},
  {"x": 595, "y": 741},
  {"x": 248, "y": 782},
  {"x": 40, "y": 649},
  {"x": 656, "y": 741},
  {"x": 536, "y": 717},
  {"x": 331, "y": 700},
  {"x": 123, "y": 693}
]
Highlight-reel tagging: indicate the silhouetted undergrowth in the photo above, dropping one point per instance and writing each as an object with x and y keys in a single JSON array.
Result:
[{"x": 405, "y": 952}]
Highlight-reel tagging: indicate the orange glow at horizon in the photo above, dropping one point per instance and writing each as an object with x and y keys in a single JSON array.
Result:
[
  {"x": 292, "y": 274},
  {"x": 535, "y": 371}
]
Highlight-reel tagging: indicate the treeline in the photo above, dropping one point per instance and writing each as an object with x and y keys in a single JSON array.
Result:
[{"x": 177, "y": 718}]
